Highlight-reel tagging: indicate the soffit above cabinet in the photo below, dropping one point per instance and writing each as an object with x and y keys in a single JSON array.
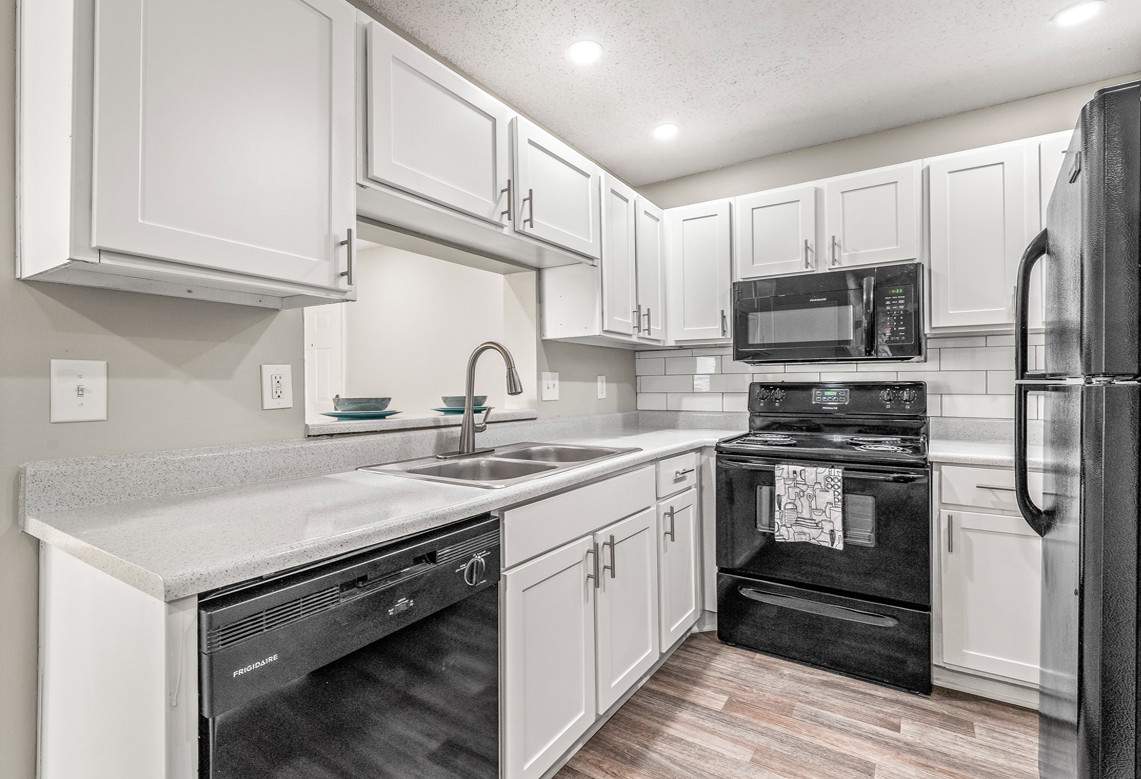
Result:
[{"x": 744, "y": 80}]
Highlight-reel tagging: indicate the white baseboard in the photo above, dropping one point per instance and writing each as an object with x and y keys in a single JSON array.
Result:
[{"x": 985, "y": 687}]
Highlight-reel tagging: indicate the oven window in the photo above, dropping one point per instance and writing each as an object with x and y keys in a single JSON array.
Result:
[
  {"x": 859, "y": 516},
  {"x": 827, "y": 324}
]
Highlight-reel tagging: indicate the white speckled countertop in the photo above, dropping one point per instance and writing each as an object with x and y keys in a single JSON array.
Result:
[
  {"x": 996, "y": 453},
  {"x": 176, "y": 546}
]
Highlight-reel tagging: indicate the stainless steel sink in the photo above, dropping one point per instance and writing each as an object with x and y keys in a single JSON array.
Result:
[{"x": 501, "y": 467}]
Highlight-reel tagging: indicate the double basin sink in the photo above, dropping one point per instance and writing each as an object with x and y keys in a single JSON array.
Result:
[{"x": 503, "y": 466}]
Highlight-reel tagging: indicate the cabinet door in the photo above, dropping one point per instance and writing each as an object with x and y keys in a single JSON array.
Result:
[
  {"x": 619, "y": 314},
  {"x": 776, "y": 232},
  {"x": 650, "y": 250},
  {"x": 556, "y": 191},
  {"x": 991, "y": 579},
  {"x": 548, "y": 656},
  {"x": 627, "y": 629},
  {"x": 225, "y": 139},
  {"x": 431, "y": 132},
  {"x": 697, "y": 262},
  {"x": 1050, "y": 157},
  {"x": 872, "y": 216},
  {"x": 678, "y": 567},
  {"x": 978, "y": 232}
]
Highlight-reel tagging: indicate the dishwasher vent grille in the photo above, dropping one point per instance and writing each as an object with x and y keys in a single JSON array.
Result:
[
  {"x": 272, "y": 618},
  {"x": 468, "y": 547}
]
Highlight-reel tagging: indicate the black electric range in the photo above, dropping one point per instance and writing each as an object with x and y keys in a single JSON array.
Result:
[{"x": 863, "y": 609}]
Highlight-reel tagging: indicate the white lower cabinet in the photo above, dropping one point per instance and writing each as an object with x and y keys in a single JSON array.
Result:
[
  {"x": 549, "y": 656},
  {"x": 626, "y": 630},
  {"x": 991, "y": 571},
  {"x": 678, "y": 567}
]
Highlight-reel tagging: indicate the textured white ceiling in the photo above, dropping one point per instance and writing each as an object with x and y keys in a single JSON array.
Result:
[{"x": 746, "y": 79}]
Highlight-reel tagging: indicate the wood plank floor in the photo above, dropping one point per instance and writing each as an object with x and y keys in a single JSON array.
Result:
[{"x": 717, "y": 711}]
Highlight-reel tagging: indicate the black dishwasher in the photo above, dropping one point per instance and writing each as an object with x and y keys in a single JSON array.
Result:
[{"x": 382, "y": 663}]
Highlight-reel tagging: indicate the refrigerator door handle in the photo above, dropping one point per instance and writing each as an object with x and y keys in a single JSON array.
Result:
[
  {"x": 1037, "y": 249},
  {"x": 1034, "y": 516}
]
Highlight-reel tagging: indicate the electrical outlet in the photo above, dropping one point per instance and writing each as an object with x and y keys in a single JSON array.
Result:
[
  {"x": 276, "y": 386},
  {"x": 550, "y": 386},
  {"x": 78, "y": 390},
  {"x": 601, "y": 387}
]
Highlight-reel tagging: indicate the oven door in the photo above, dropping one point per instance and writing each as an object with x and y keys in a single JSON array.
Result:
[
  {"x": 771, "y": 324},
  {"x": 887, "y": 532}
]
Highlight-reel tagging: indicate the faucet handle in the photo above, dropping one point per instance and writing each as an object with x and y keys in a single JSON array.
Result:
[{"x": 481, "y": 425}]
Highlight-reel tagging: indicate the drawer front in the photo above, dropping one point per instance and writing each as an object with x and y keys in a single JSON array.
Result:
[
  {"x": 872, "y": 640},
  {"x": 537, "y": 527},
  {"x": 986, "y": 488},
  {"x": 677, "y": 474}
]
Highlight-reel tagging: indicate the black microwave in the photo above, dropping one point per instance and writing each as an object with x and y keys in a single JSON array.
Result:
[{"x": 859, "y": 314}]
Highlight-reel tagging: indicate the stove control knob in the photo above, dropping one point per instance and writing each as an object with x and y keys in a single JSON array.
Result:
[
  {"x": 886, "y": 395},
  {"x": 908, "y": 395},
  {"x": 778, "y": 394}
]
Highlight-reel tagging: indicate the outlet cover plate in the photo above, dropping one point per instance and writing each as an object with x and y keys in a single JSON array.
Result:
[
  {"x": 78, "y": 390},
  {"x": 276, "y": 386},
  {"x": 550, "y": 390}
]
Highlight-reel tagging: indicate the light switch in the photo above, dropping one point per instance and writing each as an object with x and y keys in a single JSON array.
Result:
[
  {"x": 550, "y": 386},
  {"x": 276, "y": 386},
  {"x": 78, "y": 390},
  {"x": 601, "y": 387}
]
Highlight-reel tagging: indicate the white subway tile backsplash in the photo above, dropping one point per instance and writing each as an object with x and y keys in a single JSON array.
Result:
[
  {"x": 773, "y": 377},
  {"x": 1000, "y": 382},
  {"x": 664, "y": 353},
  {"x": 693, "y": 365},
  {"x": 937, "y": 342},
  {"x": 951, "y": 382},
  {"x": 930, "y": 364},
  {"x": 725, "y": 382},
  {"x": 654, "y": 366},
  {"x": 987, "y": 358},
  {"x": 987, "y": 406},
  {"x": 815, "y": 367},
  {"x": 693, "y": 401},
  {"x": 934, "y": 405},
  {"x": 678, "y": 383},
  {"x": 852, "y": 376},
  {"x": 651, "y": 401},
  {"x": 735, "y": 401},
  {"x": 1036, "y": 339},
  {"x": 713, "y": 351},
  {"x": 1000, "y": 340}
]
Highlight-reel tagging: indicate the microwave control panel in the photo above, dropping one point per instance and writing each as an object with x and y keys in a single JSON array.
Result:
[{"x": 896, "y": 308}]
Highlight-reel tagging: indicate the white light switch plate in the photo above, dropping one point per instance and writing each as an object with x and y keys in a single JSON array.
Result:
[
  {"x": 78, "y": 390},
  {"x": 601, "y": 387},
  {"x": 550, "y": 386},
  {"x": 276, "y": 386}
]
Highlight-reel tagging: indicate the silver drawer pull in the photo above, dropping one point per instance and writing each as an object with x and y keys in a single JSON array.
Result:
[
  {"x": 819, "y": 609},
  {"x": 999, "y": 487},
  {"x": 681, "y": 474}
]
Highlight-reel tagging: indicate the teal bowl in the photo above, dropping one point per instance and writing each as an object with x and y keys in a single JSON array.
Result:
[
  {"x": 457, "y": 401},
  {"x": 360, "y": 404}
]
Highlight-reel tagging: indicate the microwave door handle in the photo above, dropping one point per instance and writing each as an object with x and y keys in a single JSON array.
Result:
[{"x": 869, "y": 316}]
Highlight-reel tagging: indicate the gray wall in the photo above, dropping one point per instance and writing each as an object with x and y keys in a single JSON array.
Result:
[{"x": 1038, "y": 115}]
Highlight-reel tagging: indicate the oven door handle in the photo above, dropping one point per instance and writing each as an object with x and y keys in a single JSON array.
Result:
[
  {"x": 819, "y": 609},
  {"x": 899, "y": 478},
  {"x": 869, "y": 284}
]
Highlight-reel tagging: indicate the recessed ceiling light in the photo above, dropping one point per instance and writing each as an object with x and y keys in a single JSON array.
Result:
[
  {"x": 1076, "y": 14},
  {"x": 584, "y": 52},
  {"x": 666, "y": 131}
]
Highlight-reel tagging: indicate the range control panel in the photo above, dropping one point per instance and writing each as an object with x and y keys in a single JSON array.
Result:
[
  {"x": 896, "y": 308},
  {"x": 856, "y": 397}
]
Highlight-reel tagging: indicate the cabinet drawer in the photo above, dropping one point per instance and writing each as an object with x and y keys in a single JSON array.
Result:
[
  {"x": 677, "y": 473},
  {"x": 536, "y": 527},
  {"x": 989, "y": 488}
]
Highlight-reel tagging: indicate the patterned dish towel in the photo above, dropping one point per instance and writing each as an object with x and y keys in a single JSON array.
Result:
[{"x": 809, "y": 505}]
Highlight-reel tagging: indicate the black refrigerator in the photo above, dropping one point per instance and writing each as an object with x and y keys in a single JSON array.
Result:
[{"x": 1088, "y": 378}]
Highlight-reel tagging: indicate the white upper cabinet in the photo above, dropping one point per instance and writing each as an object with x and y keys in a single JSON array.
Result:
[
  {"x": 620, "y": 313},
  {"x": 991, "y": 571},
  {"x": 698, "y": 267},
  {"x": 229, "y": 147},
  {"x": 627, "y": 623},
  {"x": 1051, "y": 157},
  {"x": 776, "y": 232},
  {"x": 978, "y": 202},
  {"x": 433, "y": 133},
  {"x": 872, "y": 217},
  {"x": 556, "y": 191},
  {"x": 651, "y": 251}
]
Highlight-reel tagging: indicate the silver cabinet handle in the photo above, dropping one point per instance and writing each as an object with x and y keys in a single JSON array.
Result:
[
  {"x": 647, "y": 328},
  {"x": 835, "y": 254},
  {"x": 613, "y": 554},
  {"x": 724, "y": 324},
  {"x": 509, "y": 211},
  {"x": 950, "y": 534},
  {"x": 670, "y": 533},
  {"x": 592, "y": 572},
  {"x": 347, "y": 273},
  {"x": 999, "y": 487},
  {"x": 807, "y": 262},
  {"x": 530, "y": 201},
  {"x": 682, "y": 473},
  {"x": 637, "y": 318}
]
